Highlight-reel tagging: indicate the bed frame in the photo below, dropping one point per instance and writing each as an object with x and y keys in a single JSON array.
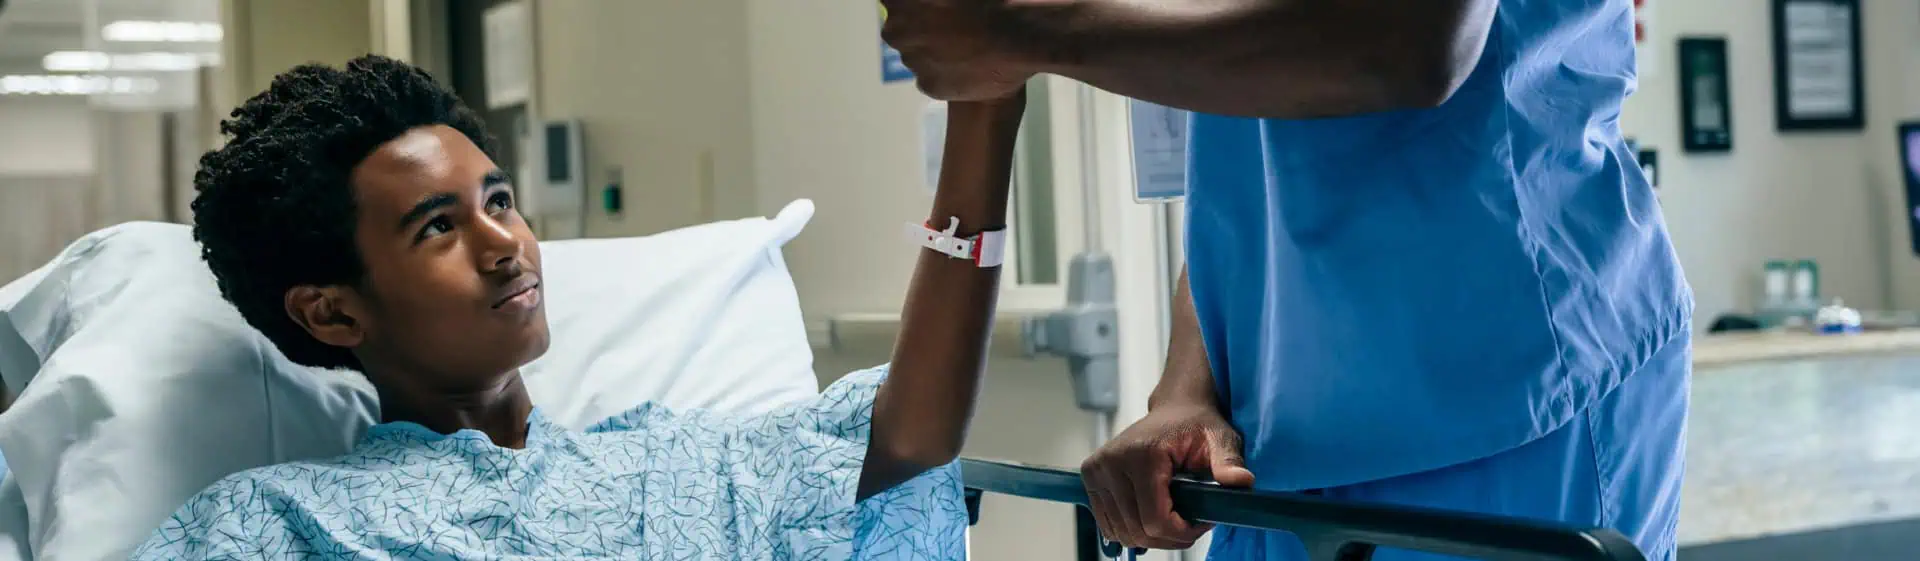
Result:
[{"x": 1332, "y": 530}]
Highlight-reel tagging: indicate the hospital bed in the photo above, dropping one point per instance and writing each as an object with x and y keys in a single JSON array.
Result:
[
  {"x": 1332, "y": 530},
  {"x": 1338, "y": 531},
  {"x": 1341, "y": 531},
  {"x": 114, "y": 428}
]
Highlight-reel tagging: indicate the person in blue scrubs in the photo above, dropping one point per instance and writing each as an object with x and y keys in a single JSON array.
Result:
[{"x": 1423, "y": 267}]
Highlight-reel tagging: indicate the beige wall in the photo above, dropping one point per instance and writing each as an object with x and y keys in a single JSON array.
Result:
[
  {"x": 46, "y": 175},
  {"x": 661, "y": 87},
  {"x": 267, "y": 37},
  {"x": 45, "y": 135},
  {"x": 1833, "y": 197},
  {"x": 129, "y": 179},
  {"x": 825, "y": 128},
  {"x": 783, "y": 101}
]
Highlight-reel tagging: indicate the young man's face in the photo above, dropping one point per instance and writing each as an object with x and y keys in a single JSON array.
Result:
[{"x": 454, "y": 289}]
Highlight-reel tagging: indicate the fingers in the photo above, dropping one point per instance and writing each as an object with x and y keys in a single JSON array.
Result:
[
  {"x": 1129, "y": 480},
  {"x": 1104, "y": 512},
  {"x": 1120, "y": 523},
  {"x": 1225, "y": 462},
  {"x": 1130, "y": 499},
  {"x": 1153, "y": 507}
]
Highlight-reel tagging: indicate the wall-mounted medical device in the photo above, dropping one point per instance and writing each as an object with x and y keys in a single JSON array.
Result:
[
  {"x": 554, "y": 178},
  {"x": 565, "y": 172}
]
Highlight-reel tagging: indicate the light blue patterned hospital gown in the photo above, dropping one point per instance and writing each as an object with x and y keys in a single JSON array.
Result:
[{"x": 648, "y": 484}]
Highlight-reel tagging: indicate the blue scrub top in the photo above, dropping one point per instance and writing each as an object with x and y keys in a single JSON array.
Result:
[{"x": 1394, "y": 293}]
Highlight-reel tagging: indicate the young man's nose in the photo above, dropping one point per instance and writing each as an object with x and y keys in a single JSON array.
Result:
[{"x": 499, "y": 246}]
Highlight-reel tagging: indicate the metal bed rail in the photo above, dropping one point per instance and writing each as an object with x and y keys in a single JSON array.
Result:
[{"x": 1331, "y": 530}]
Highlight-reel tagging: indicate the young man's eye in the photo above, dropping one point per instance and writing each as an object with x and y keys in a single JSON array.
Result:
[
  {"x": 438, "y": 225},
  {"x": 500, "y": 201}
]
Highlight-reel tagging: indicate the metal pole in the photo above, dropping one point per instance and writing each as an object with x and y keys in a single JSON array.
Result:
[
  {"x": 1090, "y": 214},
  {"x": 1169, "y": 272},
  {"x": 1090, "y": 169},
  {"x": 1086, "y": 332},
  {"x": 1102, "y": 428},
  {"x": 1090, "y": 220}
]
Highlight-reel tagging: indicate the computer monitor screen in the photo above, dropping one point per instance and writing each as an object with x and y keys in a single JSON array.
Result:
[{"x": 1910, "y": 172}]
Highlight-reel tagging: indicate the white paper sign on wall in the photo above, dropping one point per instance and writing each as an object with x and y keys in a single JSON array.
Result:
[
  {"x": 508, "y": 36},
  {"x": 1159, "y": 135}
]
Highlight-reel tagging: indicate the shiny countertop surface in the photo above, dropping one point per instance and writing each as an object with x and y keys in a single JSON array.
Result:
[
  {"x": 1779, "y": 446},
  {"x": 1728, "y": 349}
]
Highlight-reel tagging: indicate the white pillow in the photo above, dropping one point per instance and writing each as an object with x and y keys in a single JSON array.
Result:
[
  {"x": 701, "y": 317},
  {"x": 142, "y": 386}
]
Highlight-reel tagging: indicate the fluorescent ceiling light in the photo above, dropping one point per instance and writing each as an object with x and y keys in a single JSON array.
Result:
[
  {"x": 161, "y": 32},
  {"x": 73, "y": 84},
  {"x": 94, "y": 61}
]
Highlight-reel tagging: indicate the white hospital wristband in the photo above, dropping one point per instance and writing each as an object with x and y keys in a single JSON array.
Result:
[{"x": 986, "y": 249}]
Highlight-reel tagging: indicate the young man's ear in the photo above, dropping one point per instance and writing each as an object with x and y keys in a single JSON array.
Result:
[{"x": 322, "y": 310}]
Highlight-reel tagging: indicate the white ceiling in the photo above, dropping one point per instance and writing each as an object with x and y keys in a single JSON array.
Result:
[{"x": 29, "y": 29}]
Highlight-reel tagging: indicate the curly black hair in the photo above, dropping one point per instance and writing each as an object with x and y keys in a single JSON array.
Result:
[{"x": 274, "y": 209}]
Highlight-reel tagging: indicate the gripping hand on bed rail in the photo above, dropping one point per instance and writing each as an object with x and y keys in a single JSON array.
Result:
[
  {"x": 1183, "y": 432},
  {"x": 1127, "y": 479}
]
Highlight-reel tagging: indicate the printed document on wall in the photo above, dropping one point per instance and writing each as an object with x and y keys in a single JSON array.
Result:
[
  {"x": 508, "y": 34},
  {"x": 1159, "y": 136}
]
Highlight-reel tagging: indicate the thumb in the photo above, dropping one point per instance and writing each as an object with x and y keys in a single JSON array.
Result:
[{"x": 1224, "y": 459}]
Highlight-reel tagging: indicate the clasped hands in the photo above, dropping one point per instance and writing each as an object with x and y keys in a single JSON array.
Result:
[
  {"x": 983, "y": 50},
  {"x": 962, "y": 50}
]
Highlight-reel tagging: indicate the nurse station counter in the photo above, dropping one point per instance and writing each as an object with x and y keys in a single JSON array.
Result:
[{"x": 1803, "y": 447}]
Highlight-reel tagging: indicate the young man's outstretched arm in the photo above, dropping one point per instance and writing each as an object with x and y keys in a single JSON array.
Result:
[{"x": 921, "y": 411}]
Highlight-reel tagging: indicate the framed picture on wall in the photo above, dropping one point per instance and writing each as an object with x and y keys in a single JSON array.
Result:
[
  {"x": 1706, "y": 118},
  {"x": 1817, "y": 74},
  {"x": 1909, "y": 144}
]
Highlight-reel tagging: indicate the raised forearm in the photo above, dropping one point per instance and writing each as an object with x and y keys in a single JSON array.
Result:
[
  {"x": 921, "y": 412},
  {"x": 1188, "y": 377},
  {"x": 1261, "y": 58}
]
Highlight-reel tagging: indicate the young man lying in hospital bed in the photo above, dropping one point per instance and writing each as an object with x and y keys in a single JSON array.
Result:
[{"x": 356, "y": 217}]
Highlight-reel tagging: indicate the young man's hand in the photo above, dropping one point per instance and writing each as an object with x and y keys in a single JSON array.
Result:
[
  {"x": 958, "y": 50},
  {"x": 1127, "y": 479}
]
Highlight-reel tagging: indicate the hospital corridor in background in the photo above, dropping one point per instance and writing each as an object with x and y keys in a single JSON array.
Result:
[{"x": 1783, "y": 137}]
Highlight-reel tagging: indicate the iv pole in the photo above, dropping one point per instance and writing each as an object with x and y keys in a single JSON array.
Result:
[{"x": 1086, "y": 332}]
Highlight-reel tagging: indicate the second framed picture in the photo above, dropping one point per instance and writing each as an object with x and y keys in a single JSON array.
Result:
[
  {"x": 1706, "y": 114},
  {"x": 1817, "y": 80}
]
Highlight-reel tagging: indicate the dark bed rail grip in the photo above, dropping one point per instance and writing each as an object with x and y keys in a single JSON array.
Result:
[{"x": 1333, "y": 530}]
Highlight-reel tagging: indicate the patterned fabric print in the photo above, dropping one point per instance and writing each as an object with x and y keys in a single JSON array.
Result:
[{"x": 648, "y": 484}]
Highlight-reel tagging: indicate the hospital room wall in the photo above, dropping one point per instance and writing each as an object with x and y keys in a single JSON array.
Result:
[
  {"x": 662, "y": 89},
  {"x": 44, "y": 135},
  {"x": 46, "y": 160},
  {"x": 267, "y": 37},
  {"x": 846, "y": 261},
  {"x": 825, "y": 128},
  {"x": 1832, "y": 197},
  {"x": 263, "y": 38},
  {"x": 720, "y": 109},
  {"x": 68, "y": 167}
]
